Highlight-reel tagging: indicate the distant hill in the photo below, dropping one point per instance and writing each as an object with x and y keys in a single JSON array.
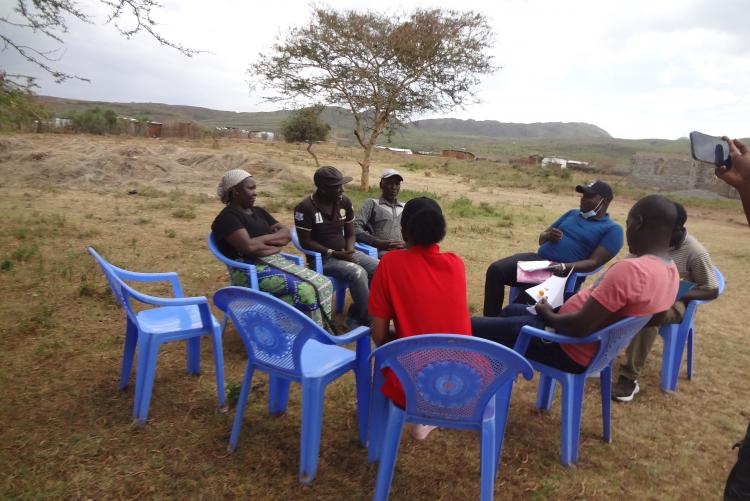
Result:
[
  {"x": 493, "y": 128},
  {"x": 339, "y": 118},
  {"x": 489, "y": 139}
]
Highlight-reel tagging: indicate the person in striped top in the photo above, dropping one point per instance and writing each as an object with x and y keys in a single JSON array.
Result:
[{"x": 694, "y": 265}]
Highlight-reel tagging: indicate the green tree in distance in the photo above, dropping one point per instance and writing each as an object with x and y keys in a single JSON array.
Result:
[
  {"x": 305, "y": 126},
  {"x": 384, "y": 68}
]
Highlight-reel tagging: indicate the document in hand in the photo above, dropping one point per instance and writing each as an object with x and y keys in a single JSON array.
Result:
[
  {"x": 532, "y": 272},
  {"x": 534, "y": 265},
  {"x": 552, "y": 289}
]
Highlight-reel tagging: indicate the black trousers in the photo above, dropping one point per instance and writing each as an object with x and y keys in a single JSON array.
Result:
[{"x": 499, "y": 274}]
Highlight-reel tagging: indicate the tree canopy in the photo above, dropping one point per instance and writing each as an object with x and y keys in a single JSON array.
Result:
[
  {"x": 385, "y": 68},
  {"x": 305, "y": 126}
]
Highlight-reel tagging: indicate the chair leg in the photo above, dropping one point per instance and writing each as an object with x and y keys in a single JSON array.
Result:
[
  {"x": 674, "y": 345},
  {"x": 605, "y": 388},
  {"x": 362, "y": 380},
  {"x": 241, "y": 404},
  {"x": 143, "y": 342},
  {"x": 148, "y": 381},
  {"x": 377, "y": 420},
  {"x": 691, "y": 335},
  {"x": 312, "y": 422},
  {"x": 278, "y": 394},
  {"x": 570, "y": 424},
  {"x": 193, "y": 353},
  {"x": 224, "y": 324},
  {"x": 131, "y": 339},
  {"x": 392, "y": 436},
  {"x": 219, "y": 362},
  {"x": 545, "y": 392},
  {"x": 488, "y": 457},
  {"x": 502, "y": 406}
]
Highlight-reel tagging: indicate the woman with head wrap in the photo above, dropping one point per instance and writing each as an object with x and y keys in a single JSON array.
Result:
[
  {"x": 247, "y": 233},
  {"x": 420, "y": 288}
]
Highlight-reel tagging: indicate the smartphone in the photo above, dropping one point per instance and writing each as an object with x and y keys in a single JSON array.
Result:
[{"x": 710, "y": 149}]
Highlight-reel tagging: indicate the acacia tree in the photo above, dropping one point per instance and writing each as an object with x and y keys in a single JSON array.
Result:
[
  {"x": 384, "y": 68},
  {"x": 49, "y": 18},
  {"x": 305, "y": 126}
]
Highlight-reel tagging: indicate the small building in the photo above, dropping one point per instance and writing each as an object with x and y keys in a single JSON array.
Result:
[
  {"x": 560, "y": 162},
  {"x": 405, "y": 151},
  {"x": 261, "y": 134},
  {"x": 154, "y": 129},
  {"x": 459, "y": 154}
]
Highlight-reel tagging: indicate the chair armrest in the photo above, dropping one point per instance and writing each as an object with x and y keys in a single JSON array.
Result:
[
  {"x": 527, "y": 332},
  {"x": 170, "y": 277},
  {"x": 171, "y": 301},
  {"x": 299, "y": 261},
  {"x": 366, "y": 249},
  {"x": 351, "y": 336}
]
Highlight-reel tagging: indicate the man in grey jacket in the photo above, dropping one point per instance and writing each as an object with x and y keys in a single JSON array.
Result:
[{"x": 378, "y": 221}]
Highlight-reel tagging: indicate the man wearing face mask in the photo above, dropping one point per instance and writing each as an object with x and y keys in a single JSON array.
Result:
[
  {"x": 694, "y": 265},
  {"x": 582, "y": 239}
]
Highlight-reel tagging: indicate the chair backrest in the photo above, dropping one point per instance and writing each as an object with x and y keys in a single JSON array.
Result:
[
  {"x": 273, "y": 331},
  {"x": 120, "y": 289},
  {"x": 572, "y": 285},
  {"x": 613, "y": 339},
  {"x": 450, "y": 377}
]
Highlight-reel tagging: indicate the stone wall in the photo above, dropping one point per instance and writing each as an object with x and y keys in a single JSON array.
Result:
[{"x": 665, "y": 173}]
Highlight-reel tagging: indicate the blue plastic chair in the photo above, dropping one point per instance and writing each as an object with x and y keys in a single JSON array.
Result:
[
  {"x": 571, "y": 285},
  {"x": 450, "y": 381},
  {"x": 676, "y": 336},
  {"x": 247, "y": 268},
  {"x": 339, "y": 286},
  {"x": 174, "y": 319},
  {"x": 290, "y": 347},
  {"x": 612, "y": 340}
]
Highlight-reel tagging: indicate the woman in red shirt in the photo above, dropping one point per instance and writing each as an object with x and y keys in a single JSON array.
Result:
[{"x": 422, "y": 290}]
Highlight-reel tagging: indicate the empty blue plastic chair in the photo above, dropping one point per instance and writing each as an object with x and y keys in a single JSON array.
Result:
[
  {"x": 612, "y": 340},
  {"x": 339, "y": 286},
  {"x": 450, "y": 381},
  {"x": 174, "y": 319},
  {"x": 676, "y": 336},
  {"x": 289, "y": 346},
  {"x": 571, "y": 285}
]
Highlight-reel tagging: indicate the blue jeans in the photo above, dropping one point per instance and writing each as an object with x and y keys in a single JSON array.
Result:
[
  {"x": 506, "y": 328},
  {"x": 358, "y": 275}
]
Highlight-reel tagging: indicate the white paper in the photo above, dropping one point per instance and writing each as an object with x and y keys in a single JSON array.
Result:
[
  {"x": 534, "y": 265},
  {"x": 552, "y": 289}
]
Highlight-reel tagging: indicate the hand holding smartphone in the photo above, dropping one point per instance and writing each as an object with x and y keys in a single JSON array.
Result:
[{"x": 710, "y": 149}]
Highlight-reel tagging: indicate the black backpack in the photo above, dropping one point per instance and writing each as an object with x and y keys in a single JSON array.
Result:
[{"x": 738, "y": 483}]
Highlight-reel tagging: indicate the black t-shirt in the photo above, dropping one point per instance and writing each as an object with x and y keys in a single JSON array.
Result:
[
  {"x": 327, "y": 229},
  {"x": 231, "y": 219}
]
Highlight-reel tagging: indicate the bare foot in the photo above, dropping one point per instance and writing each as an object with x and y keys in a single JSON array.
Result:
[{"x": 420, "y": 431}]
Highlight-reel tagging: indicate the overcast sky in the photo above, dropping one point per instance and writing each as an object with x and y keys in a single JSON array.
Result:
[{"x": 638, "y": 69}]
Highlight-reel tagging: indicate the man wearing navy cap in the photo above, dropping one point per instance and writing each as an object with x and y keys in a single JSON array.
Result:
[
  {"x": 583, "y": 239},
  {"x": 378, "y": 221},
  {"x": 324, "y": 222}
]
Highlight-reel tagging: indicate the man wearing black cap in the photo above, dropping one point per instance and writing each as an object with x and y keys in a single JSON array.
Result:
[
  {"x": 324, "y": 224},
  {"x": 582, "y": 239},
  {"x": 378, "y": 221}
]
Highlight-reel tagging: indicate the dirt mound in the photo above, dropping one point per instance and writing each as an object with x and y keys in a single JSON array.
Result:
[{"x": 80, "y": 161}]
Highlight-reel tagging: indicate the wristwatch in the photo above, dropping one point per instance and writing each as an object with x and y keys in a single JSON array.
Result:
[{"x": 329, "y": 253}]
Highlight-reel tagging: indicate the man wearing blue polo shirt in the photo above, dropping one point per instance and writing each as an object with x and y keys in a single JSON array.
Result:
[{"x": 583, "y": 239}]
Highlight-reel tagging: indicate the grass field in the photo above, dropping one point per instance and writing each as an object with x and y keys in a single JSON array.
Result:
[{"x": 67, "y": 431}]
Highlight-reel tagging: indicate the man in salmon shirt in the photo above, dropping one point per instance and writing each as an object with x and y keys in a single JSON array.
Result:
[{"x": 644, "y": 285}]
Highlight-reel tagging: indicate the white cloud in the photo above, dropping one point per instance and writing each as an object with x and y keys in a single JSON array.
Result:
[{"x": 637, "y": 69}]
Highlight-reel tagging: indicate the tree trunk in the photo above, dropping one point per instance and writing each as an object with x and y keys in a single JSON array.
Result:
[
  {"x": 310, "y": 151},
  {"x": 364, "y": 182}
]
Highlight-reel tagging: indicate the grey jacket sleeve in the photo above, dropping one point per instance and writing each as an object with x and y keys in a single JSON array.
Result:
[{"x": 362, "y": 229}]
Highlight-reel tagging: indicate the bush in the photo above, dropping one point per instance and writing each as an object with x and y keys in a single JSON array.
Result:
[{"x": 95, "y": 121}]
